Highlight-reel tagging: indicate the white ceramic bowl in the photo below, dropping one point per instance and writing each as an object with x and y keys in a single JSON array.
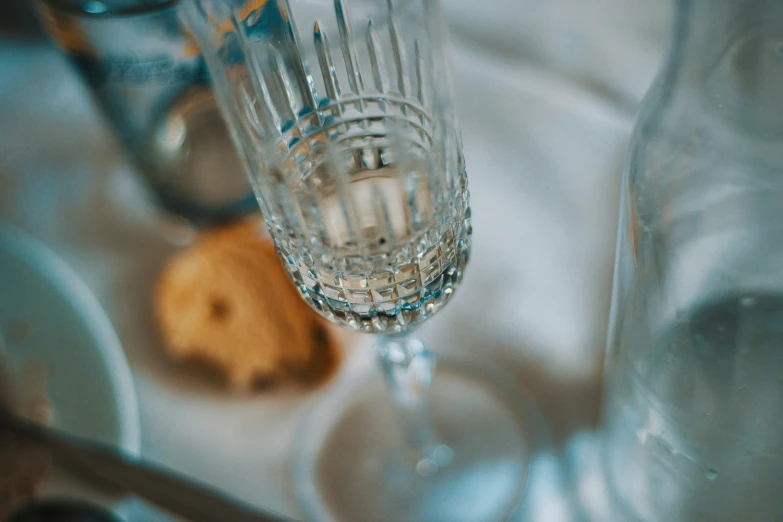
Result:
[{"x": 52, "y": 320}]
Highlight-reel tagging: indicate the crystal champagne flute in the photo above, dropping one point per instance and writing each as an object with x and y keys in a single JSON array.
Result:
[{"x": 343, "y": 113}]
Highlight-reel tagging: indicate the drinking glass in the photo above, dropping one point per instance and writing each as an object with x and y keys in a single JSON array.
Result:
[
  {"x": 693, "y": 429},
  {"x": 343, "y": 112},
  {"x": 149, "y": 79}
]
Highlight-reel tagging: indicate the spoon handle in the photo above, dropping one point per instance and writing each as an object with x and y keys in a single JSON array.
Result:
[{"x": 159, "y": 486}]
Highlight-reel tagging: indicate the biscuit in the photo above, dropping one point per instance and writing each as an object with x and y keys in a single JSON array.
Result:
[{"x": 228, "y": 301}]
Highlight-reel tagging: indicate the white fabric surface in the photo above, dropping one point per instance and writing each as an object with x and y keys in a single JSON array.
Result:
[{"x": 546, "y": 92}]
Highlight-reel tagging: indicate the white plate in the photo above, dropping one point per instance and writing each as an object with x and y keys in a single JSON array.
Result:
[{"x": 68, "y": 334}]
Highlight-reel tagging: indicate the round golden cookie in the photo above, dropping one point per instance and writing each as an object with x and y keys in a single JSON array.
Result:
[{"x": 228, "y": 301}]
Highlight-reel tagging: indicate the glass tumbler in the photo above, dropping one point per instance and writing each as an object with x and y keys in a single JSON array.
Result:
[
  {"x": 693, "y": 426},
  {"x": 148, "y": 76},
  {"x": 344, "y": 113}
]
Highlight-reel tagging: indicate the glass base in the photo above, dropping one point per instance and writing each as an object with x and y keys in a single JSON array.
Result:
[
  {"x": 593, "y": 498},
  {"x": 354, "y": 465}
]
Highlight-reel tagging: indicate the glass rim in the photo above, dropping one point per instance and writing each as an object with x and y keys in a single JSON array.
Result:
[{"x": 122, "y": 12}]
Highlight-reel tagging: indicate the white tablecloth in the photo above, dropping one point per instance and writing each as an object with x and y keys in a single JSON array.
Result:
[{"x": 546, "y": 93}]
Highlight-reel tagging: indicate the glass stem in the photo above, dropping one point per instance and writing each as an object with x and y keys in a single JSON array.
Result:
[{"x": 407, "y": 367}]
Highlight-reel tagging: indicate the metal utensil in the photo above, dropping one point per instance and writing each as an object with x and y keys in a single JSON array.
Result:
[
  {"x": 61, "y": 510},
  {"x": 108, "y": 466}
]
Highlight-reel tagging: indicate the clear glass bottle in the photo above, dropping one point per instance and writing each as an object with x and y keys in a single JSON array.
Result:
[{"x": 693, "y": 421}]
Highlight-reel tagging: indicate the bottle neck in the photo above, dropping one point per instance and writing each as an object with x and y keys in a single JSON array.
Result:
[
  {"x": 705, "y": 29},
  {"x": 726, "y": 60}
]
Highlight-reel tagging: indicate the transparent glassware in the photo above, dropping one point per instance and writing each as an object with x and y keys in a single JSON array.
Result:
[
  {"x": 693, "y": 428},
  {"x": 149, "y": 79},
  {"x": 343, "y": 111}
]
